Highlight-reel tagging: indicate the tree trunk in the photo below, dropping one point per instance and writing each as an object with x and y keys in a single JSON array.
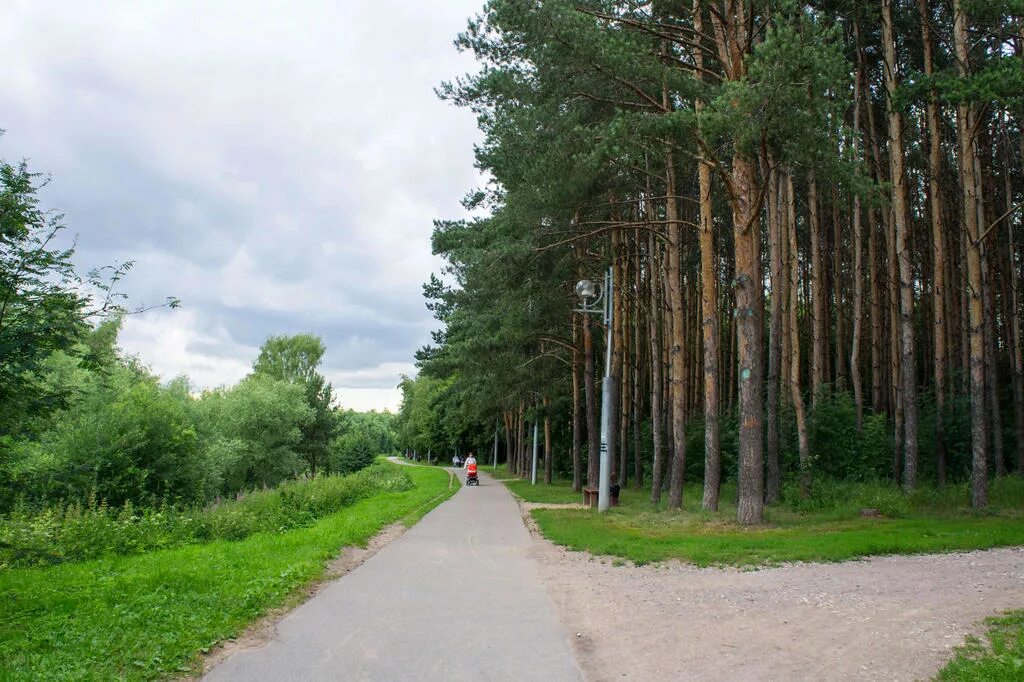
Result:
[
  {"x": 708, "y": 310},
  {"x": 965, "y": 116},
  {"x": 817, "y": 292},
  {"x": 620, "y": 412},
  {"x": 858, "y": 264},
  {"x": 733, "y": 42},
  {"x": 938, "y": 249},
  {"x": 749, "y": 306},
  {"x": 991, "y": 370},
  {"x": 908, "y": 376},
  {"x": 1014, "y": 276},
  {"x": 773, "y": 475},
  {"x": 657, "y": 382},
  {"x": 677, "y": 365},
  {"x": 593, "y": 437},
  {"x": 837, "y": 294},
  {"x": 577, "y": 421},
  {"x": 794, "y": 332},
  {"x": 637, "y": 373},
  {"x": 547, "y": 440}
]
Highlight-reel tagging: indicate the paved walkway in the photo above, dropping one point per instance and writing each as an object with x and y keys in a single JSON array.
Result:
[{"x": 454, "y": 598}]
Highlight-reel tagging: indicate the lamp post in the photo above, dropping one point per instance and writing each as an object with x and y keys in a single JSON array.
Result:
[{"x": 591, "y": 294}]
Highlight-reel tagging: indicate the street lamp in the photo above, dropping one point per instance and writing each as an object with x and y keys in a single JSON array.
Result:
[{"x": 591, "y": 295}]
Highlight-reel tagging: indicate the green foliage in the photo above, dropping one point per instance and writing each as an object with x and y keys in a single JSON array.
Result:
[
  {"x": 255, "y": 431},
  {"x": 999, "y": 659},
  {"x": 150, "y": 616},
  {"x": 77, "y": 532},
  {"x": 295, "y": 359},
  {"x": 352, "y": 452},
  {"x": 290, "y": 358},
  {"x": 838, "y": 450},
  {"x": 126, "y": 439},
  {"x": 645, "y": 537}
]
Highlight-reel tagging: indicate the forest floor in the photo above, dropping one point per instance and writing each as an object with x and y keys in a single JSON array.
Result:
[{"x": 892, "y": 618}]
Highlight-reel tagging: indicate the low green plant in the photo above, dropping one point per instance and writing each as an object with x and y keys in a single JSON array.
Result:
[
  {"x": 151, "y": 615},
  {"x": 828, "y": 526},
  {"x": 997, "y": 658},
  {"x": 78, "y": 532}
]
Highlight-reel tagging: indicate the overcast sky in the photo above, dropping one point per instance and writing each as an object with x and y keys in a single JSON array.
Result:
[{"x": 275, "y": 165}]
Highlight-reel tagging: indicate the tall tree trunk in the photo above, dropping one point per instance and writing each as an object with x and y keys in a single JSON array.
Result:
[
  {"x": 577, "y": 419},
  {"x": 657, "y": 382},
  {"x": 749, "y": 306},
  {"x": 991, "y": 369},
  {"x": 593, "y": 438},
  {"x": 908, "y": 376},
  {"x": 547, "y": 440},
  {"x": 874, "y": 273},
  {"x": 837, "y": 294},
  {"x": 858, "y": 264},
  {"x": 637, "y": 373},
  {"x": 794, "y": 332},
  {"x": 677, "y": 364},
  {"x": 510, "y": 439},
  {"x": 708, "y": 307},
  {"x": 1014, "y": 276},
  {"x": 620, "y": 351},
  {"x": 965, "y": 116},
  {"x": 773, "y": 475},
  {"x": 938, "y": 248},
  {"x": 817, "y": 292}
]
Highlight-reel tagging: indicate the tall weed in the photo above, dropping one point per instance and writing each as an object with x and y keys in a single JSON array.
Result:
[{"x": 78, "y": 532}]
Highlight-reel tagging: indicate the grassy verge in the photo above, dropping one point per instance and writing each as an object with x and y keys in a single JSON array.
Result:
[
  {"x": 832, "y": 531},
  {"x": 559, "y": 492},
  {"x": 1000, "y": 658},
  {"x": 499, "y": 472},
  {"x": 147, "y": 616}
]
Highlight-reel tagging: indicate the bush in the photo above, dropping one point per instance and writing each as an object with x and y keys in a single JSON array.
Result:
[
  {"x": 351, "y": 452},
  {"x": 76, "y": 531}
]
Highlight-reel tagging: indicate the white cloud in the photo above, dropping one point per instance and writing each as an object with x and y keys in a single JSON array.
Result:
[{"x": 275, "y": 165}]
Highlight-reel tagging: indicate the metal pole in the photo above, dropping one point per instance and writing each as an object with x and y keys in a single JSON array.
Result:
[
  {"x": 533, "y": 476},
  {"x": 604, "y": 473},
  {"x": 495, "y": 444}
]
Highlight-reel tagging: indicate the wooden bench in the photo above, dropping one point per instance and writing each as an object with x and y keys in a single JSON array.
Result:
[{"x": 590, "y": 496}]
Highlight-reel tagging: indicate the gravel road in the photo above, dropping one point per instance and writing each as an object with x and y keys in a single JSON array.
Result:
[{"x": 885, "y": 618}]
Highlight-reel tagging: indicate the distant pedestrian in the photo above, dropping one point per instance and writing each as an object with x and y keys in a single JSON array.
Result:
[{"x": 456, "y": 462}]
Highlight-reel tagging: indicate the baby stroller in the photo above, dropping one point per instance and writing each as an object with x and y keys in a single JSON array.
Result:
[{"x": 471, "y": 477}]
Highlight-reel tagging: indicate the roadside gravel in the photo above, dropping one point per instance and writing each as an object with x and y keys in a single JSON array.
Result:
[{"x": 891, "y": 618}]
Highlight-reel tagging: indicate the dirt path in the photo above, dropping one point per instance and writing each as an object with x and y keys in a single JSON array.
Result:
[{"x": 885, "y": 618}]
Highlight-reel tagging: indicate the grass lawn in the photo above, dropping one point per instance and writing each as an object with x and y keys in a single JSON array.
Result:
[
  {"x": 151, "y": 615},
  {"x": 999, "y": 659},
  {"x": 642, "y": 533}
]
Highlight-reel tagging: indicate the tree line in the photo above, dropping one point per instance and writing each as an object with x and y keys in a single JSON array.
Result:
[
  {"x": 812, "y": 214},
  {"x": 81, "y": 423}
]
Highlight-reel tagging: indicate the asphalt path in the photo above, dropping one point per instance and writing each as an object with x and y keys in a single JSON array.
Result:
[{"x": 456, "y": 597}]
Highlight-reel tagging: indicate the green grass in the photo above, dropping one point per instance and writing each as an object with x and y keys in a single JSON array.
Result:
[
  {"x": 827, "y": 529},
  {"x": 149, "y": 616},
  {"x": 1000, "y": 658},
  {"x": 559, "y": 492},
  {"x": 499, "y": 472},
  {"x": 648, "y": 538}
]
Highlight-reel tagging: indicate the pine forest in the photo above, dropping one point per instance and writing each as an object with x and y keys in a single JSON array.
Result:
[{"x": 812, "y": 218}]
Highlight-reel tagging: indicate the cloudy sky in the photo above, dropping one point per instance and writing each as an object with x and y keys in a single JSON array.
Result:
[{"x": 275, "y": 165}]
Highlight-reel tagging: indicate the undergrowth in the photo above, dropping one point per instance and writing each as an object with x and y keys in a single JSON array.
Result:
[{"x": 75, "y": 532}]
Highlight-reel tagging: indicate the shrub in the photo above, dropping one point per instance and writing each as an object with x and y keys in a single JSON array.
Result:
[
  {"x": 77, "y": 531},
  {"x": 351, "y": 452}
]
